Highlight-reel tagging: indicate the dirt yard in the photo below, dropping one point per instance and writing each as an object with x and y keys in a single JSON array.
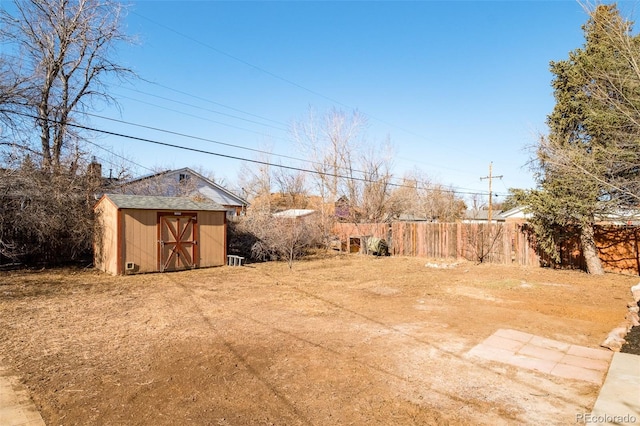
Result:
[{"x": 346, "y": 339}]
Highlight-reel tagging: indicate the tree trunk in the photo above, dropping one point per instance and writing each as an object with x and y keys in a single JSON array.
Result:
[{"x": 590, "y": 251}]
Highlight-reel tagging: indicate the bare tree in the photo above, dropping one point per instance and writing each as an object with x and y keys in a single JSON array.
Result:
[
  {"x": 45, "y": 218},
  {"x": 419, "y": 196},
  {"x": 12, "y": 94},
  {"x": 256, "y": 182},
  {"x": 55, "y": 60},
  {"x": 482, "y": 240},
  {"x": 331, "y": 143},
  {"x": 65, "y": 50},
  {"x": 371, "y": 193},
  {"x": 292, "y": 189},
  {"x": 280, "y": 238},
  {"x": 347, "y": 166}
]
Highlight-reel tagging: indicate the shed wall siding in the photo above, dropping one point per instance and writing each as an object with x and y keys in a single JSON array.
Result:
[
  {"x": 106, "y": 240},
  {"x": 212, "y": 240},
  {"x": 140, "y": 239}
]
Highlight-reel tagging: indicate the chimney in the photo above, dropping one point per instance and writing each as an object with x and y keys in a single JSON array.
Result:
[{"x": 94, "y": 170}]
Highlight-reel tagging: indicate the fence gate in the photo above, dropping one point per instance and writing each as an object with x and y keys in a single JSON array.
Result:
[{"x": 177, "y": 244}]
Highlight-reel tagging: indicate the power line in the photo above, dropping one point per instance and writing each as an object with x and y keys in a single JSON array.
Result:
[
  {"x": 157, "y": 129},
  {"x": 232, "y": 108},
  {"x": 227, "y": 125},
  {"x": 205, "y": 109},
  {"x": 214, "y": 102},
  {"x": 233, "y": 157},
  {"x": 251, "y": 65},
  {"x": 460, "y": 189},
  {"x": 282, "y": 166},
  {"x": 193, "y": 115},
  {"x": 265, "y": 71}
]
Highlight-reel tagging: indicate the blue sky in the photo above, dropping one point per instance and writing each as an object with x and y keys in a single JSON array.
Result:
[{"x": 455, "y": 85}]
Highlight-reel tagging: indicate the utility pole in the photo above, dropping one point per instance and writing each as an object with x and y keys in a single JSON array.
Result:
[{"x": 490, "y": 177}]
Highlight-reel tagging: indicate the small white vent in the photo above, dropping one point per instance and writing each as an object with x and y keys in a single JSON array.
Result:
[{"x": 130, "y": 266}]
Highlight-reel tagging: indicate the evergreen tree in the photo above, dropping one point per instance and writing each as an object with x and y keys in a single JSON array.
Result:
[{"x": 587, "y": 164}]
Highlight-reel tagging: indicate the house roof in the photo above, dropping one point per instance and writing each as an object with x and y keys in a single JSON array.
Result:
[
  {"x": 294, "y": 213},
  {"x": 152, "y": 202},
  {"x": 222, "y": 194},
  {"x": 407, "y": 217},
  {"x": 516, "y": 212},
  {"x": 483, "y": 215}
]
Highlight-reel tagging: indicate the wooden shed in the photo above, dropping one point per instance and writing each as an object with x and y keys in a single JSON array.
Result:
[{"x": 137, "y": 234}]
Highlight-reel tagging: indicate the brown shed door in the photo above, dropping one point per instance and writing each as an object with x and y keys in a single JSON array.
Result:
[{"x": 177, "y": 241}]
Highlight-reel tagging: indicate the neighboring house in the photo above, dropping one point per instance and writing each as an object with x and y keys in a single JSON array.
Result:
[
  {"x": 408, "y": 217},
  {"x": 482, "y": 216},
  {"x": 342, "y": 208},
  {"x": 620, "y": 217},
  {"x": 186, "y": 182},
  {"x": 628, "y": 217},
  {"x": 517, "y": 214},
  {"x": 142, "y": 233}
]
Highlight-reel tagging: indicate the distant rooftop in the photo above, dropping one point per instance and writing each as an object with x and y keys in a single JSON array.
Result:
[
  {"x": 483, "y": 215},
  {"x": 294, "y": 213}
]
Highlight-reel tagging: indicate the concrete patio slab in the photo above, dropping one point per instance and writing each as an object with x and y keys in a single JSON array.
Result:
[
  {"x": 543, "y": 342},
  {"x": 619, "y": 400},
  {"x": 573, "y": 372},
  {"x": 540, "y": 352},
  {"x": 589, "y": 353},
  {"x": 548, "y": 356},
  {"x": 585, "y": 362},
  {"x": 16, "y": 408}
]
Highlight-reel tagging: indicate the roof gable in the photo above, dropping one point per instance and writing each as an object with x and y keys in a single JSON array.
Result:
[{"x": 206, "y": 187}]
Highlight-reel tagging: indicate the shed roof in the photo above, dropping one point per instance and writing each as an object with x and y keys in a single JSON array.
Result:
[{"x": 152, "y": 202}]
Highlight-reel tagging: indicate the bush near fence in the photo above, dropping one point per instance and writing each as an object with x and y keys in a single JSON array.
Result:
[{"x": 503, "y": 243}]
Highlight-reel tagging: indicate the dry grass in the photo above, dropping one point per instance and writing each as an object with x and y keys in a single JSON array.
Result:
[{"x": 344, "y": 339}]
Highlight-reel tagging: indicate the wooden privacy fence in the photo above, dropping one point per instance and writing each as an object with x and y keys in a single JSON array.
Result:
[
  {"x": 505, "y": 243},
  {"x": 497, "y": 243},
  {"x": 619, "y": 248}
]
